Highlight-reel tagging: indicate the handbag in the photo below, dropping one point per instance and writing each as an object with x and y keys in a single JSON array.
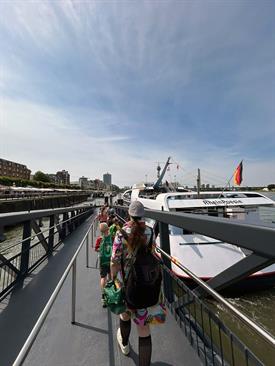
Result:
[{"x": 114, "y": 298}]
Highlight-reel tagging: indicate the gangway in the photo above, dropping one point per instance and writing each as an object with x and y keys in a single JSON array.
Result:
[
  {"x": 92, "y": 339},
  {"x": 75, "y": 330}
]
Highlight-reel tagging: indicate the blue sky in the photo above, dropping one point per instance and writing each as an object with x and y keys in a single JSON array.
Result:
[{"x": 114, "y": 86}]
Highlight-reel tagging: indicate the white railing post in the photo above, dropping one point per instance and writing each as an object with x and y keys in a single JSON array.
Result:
[
  {"x": 73, "y": 291},
  {"x": 87, "y": 251}
]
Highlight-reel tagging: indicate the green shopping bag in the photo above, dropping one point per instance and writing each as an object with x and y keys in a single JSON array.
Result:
[{"x": 114, "y": 298}]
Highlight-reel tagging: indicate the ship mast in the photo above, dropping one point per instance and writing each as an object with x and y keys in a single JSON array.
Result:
[
  {"x": 158, "y": 170},
  {"x": 199, "y": 182},
  {"x": 161, "y": 175}
]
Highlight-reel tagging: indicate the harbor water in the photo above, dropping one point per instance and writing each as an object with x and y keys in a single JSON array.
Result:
[{"x": 260, "y": 305}]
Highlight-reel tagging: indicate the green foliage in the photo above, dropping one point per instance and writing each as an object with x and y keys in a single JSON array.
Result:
[
  {"x": 271, "y": 186},
  {"x": 41, "y": 177},
  {"x": 9, "y": 181},
  {"x": 114, "y": 188}
]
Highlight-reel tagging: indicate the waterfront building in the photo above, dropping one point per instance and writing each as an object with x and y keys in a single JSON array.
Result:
[
  {"x": 53, "y": 178},
  {"x": 91, "y": 184},
  {"x": 95, "y": 184},
  {"x": 63, "y": 177},
  {"x": 12, "y": 169},
  {"x": 83, "y": 182},
  {"x": 99, "y": 185},
  {"x": 107, "y": 179}
]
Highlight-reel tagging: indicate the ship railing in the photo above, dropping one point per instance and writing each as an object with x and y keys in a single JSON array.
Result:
[
  {"x": 203, "y": 320},
  {"x": 41, "y": 232}
]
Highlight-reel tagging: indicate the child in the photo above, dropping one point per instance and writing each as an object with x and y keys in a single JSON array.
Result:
[
  {"x": 102, "y": 217},
  {"x": 114, "y": 227},
  {"x": 104, "y": 248}
]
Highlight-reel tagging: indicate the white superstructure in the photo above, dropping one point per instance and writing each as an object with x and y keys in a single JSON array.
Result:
[{"x": 203, "y": 255}]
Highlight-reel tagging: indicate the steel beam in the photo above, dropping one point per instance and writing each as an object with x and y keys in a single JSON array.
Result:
[
  {"x": 72, "y": 221},
  {"x": 51, "y": 234},
  {"x": 237, "y": 272},
  {"x": 165, "y": 242},
  {"x": 18, "y": 217},
  {"x": 40, "y": 235},
  {"x": 8, "y": 264},
  {"x": 25, "y": 250},
  {"x": 65, "y": 224},
  {"x": 165, "y": 245},
  {"x": 237, "y": 233},
  {"x": 58, "y": 226}
]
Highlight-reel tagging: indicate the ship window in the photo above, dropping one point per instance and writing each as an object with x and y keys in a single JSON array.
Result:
[
  {"x": 254, "y": 195},
  {"x": 147, "y": 193}
]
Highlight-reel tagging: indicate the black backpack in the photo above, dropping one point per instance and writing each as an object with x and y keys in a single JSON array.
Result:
[{"x": 143, "y": 281}]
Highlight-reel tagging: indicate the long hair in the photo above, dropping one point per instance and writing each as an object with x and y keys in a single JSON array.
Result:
[{"x": 137, "y": 238}]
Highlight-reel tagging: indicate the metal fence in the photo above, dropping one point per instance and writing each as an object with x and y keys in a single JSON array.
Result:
[
  {"x": 22, "y": 257},
  {"x": 37, "y": 194},
  {"x": 214, "y": 341}
]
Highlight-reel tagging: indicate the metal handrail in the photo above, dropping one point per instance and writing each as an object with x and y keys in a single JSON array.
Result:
[
  {"x": 36, "y": 195},
  {"x": 244, "y": 235},
  {"x": 20, "y": 216},
  {"x": 43, "y": 231},
  {"x": 220, "y": 298},
  {"x": 31, "y": 338}
]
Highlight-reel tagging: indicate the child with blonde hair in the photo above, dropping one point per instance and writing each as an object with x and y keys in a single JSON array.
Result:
[{"x": 104, "y": 248}]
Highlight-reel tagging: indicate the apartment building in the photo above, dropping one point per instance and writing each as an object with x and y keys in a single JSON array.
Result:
[{"x": 12, "y": 169}]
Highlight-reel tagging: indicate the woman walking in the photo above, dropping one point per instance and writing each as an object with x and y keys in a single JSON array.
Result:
[{"x": 134, "y": 240}]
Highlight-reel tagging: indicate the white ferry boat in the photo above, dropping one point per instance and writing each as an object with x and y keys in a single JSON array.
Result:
[{"x": 203, "y": 255}]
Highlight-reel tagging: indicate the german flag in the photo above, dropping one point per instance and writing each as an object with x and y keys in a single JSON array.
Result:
[{"x": 238, "y": 174}]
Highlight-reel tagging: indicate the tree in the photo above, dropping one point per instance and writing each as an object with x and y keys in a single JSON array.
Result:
[
  {"x": 114, "y": 188},
  {"x": 41, "y": 177}
]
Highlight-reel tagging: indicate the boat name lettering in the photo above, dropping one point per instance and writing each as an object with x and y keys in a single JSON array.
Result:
[{"x": 222, "y": 202}]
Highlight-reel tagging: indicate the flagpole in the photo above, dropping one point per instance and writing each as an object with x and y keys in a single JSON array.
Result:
[
  {"x": 229, "y": 180},
  {"x": 226, "y": 184}
]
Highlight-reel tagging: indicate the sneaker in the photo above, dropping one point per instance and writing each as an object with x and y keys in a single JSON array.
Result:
[{"x": 124, "y": 349}]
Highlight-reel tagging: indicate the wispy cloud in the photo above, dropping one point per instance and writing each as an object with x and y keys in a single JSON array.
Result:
[{"x": 118, "y": 85}]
